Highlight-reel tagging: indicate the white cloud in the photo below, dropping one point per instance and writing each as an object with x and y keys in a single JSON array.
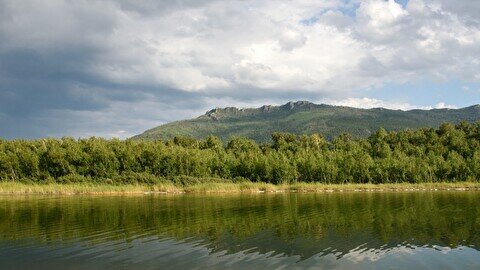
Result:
[
  {"x": 380, "y": 20},
  {"x": 442, "y": 105},
  {"x": 367, "y": 103},
  {"x": 223, "y": 46}
]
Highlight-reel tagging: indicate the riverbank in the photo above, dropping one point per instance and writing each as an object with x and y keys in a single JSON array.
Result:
[{"x": 246, "y": 187}]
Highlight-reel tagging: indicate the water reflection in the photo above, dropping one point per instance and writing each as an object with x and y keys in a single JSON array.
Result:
[{"x": 342, "y": 230}]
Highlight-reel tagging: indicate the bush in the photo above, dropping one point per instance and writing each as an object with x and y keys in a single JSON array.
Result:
[
  {"x": 72, "y": 178},
  {"x": 185, "y": 180},
  {"x": 137, "y": 178}
]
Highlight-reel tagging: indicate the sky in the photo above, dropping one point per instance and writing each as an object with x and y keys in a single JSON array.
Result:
[{"x": 111, "y": 68}]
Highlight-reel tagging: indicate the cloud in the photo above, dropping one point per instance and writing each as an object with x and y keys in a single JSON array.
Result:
[
  {"x": 442, "y": 105},
  {"x": 367, "y": 103},
  {"x": 380, "y": 21},
  {"x": 118, "y": 67}
]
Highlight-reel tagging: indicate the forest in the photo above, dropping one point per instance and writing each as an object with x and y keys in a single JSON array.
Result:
[{"x": 450, "y": 153}]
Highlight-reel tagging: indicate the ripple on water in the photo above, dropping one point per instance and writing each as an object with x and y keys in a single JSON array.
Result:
[{"x": 337, "y": 231}]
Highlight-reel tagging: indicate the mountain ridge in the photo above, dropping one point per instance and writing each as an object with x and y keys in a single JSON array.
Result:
[{"x": 304, "y": 117}]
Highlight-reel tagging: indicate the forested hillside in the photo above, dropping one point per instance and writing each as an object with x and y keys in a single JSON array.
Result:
[
  {"x": 303, "y": 117},
  {"x": 450, "y": 153}
]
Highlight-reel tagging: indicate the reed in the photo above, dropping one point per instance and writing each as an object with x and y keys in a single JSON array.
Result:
[{"x": 10, "y": 187}]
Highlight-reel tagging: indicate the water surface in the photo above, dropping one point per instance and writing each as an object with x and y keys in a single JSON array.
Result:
[{"x": 417, "y": 230}]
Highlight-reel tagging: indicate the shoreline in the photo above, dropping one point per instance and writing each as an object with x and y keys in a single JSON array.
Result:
[{"x": 17, "y": 188}]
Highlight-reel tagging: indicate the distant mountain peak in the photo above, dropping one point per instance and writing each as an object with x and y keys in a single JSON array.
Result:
[
  {"x": 265, "y": 108},
  {"x": 304, "y": 117},
  {"x": 298, "y": 104}
]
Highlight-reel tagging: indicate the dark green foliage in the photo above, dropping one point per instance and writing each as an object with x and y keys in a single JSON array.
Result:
[
  {"x": 186, "y": 181},
  {"x": 449, "y": 153},
  {"x": 303, "y": 117}
]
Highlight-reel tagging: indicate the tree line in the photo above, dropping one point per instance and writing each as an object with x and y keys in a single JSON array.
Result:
[{"x": 450, "y": 153}]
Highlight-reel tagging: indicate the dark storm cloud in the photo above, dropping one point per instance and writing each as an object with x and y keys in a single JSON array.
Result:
[
  {"x": 33, "y": 81},
  {"x": 155, "y": 8},
  {"x": 45, "y": 63}
]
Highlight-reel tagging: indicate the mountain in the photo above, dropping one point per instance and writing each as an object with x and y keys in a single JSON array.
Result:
[{"x": 303, "y": 117}]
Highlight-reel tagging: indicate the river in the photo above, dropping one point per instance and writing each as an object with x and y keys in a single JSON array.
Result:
[{"x": 377, "y": 230}]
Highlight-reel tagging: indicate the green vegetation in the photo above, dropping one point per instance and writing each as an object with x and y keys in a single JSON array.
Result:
[
  {"x": 448, "y": 154},
  {"x": 303, "y": 117},
  {"x": 9, "y": 187}
]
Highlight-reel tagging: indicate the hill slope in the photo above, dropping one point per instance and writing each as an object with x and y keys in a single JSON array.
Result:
[{"x": 304, "y": 117}]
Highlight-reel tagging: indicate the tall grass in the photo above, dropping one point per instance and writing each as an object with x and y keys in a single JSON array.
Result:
[
  {"x": 83, "y": 188},
  {"x": 10, "y": 187}
]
